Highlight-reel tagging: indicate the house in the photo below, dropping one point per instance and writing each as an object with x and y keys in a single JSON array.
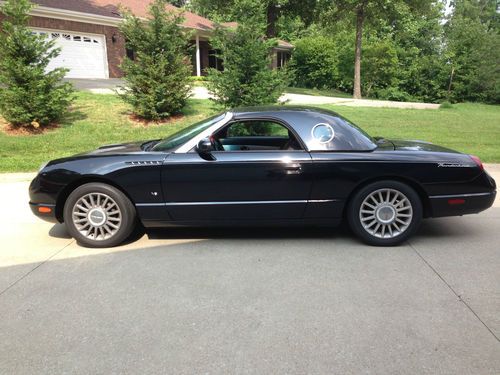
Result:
[{"x": 93, "y": 47}]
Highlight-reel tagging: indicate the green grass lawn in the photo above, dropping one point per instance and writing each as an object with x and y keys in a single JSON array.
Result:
[
  {"x": 469, "y": 128},
  {"x": 95, "y": 120},
  {"x": 317, "y": 92},
  {"x": 102, "y": 119}
]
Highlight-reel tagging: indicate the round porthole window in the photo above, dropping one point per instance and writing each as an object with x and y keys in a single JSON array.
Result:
[{"x": 323, "y": 133}]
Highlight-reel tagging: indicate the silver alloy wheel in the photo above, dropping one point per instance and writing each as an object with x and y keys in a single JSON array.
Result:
[
  {"x": 386, "y": 213},
  {"x": 97, "y": 216}
]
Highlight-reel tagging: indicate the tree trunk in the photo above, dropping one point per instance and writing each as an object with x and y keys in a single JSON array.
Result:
[
  {"x": 272, "y": 18},
  {"x": 360, "y": 18},
  {"x": 451, "y": 81}
]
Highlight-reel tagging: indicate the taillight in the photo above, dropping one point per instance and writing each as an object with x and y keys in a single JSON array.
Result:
[{"x": 477, "y": 161}]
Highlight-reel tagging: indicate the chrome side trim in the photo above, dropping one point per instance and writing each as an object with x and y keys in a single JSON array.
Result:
[
  {"x": 323, "y": 200},
  {"x": 232, "y": 203},
  {"x": 459, "y": 195},
  {"x": 170, "y": 204}
]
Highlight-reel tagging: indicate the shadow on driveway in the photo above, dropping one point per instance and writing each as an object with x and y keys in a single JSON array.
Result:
[{"x": 451, "y": 228}]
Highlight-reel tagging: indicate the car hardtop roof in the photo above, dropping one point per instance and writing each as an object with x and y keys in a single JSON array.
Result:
[{"x": 270, "y": 109}]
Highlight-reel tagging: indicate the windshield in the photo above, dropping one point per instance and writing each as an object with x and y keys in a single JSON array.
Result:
[{"x": 184, "y": 135}]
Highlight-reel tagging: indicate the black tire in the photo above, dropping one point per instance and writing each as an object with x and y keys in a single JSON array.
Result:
[
  {"x": 121, "y": 215},
  {"x": 366, "y": 227}
]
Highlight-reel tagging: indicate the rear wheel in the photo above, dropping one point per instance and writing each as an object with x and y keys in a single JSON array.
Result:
[
  {"x": 99, "y": 215},
  {"x": 385, "y": 213}
]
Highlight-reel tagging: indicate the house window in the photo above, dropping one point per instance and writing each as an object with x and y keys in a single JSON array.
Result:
[
  {"x": 214, "y": 61},
  {"x": 282, "y": 58},
  {"x": 130, "y": 54}
]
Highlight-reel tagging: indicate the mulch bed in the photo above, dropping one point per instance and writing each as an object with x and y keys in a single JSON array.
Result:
[
  {"x": 13, "y": 130},
  {"x": 143, "y": 122}
]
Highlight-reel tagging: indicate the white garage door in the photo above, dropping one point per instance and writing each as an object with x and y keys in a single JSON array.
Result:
[{"x": 84, "y": 55}]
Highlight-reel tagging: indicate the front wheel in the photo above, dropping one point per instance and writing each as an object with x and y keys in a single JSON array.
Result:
[
  {"x": 385, "y": 213},
  {"x": 99, "y": 215}
]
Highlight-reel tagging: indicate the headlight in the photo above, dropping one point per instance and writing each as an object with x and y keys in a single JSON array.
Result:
[{"x": 43, "y": 166}]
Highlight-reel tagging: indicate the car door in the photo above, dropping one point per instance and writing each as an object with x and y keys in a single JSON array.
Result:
[{"x": 247, "y": 179}]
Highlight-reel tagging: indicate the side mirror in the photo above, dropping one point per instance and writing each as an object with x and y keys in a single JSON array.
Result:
[
  {"x": 204, "y": 149},
  {"x": 205, "y": 146}
]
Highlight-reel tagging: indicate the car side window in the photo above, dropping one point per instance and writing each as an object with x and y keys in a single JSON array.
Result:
[
  {"x": 256, "y": 135},
  {"x": 256, "y": 129}
]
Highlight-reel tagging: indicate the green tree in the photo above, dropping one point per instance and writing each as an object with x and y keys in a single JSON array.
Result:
[
  {"x": 370, "y": 12},
  {"x": 157, "y": 78},
  {"x": 247, "y": 78},
  {"x": 30, "y": 94},
  {"x": 269, "y": 12},
  {"x": 315, "y": 62},
  {"x": 473, "y": 51},
  {"x": 421, "y": 71},
  {"x": 380, "y": 64}
]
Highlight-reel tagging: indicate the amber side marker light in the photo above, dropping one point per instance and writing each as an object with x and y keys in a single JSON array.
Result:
[{"x": 45, "y": 210}]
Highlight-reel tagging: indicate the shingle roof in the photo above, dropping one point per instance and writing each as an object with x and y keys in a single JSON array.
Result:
[{"x": 111, "y": 8}]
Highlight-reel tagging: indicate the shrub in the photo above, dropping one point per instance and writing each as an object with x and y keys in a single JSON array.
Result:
[
  {"x": 247, "y": 78},
  {"x": 158, "y": 77},
  {"x": 379, "y": 67},
  {"x": 315, "y": 62},
  {"x": 197, "y": 79},
  {"x": 30, "y": 94},
  {"x": 392, "y": 93},
  {"x": 446, "y": 105}
]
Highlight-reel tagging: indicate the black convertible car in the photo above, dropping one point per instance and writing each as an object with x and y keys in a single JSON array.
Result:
[{"x": 261, "y": 166}]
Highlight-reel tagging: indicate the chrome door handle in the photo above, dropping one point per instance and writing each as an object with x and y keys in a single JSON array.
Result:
[{"x": 292, "y": 169}]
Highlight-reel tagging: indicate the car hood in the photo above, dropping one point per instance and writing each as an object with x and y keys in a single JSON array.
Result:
[
  {"x": 121, "y": 148},
  {"x": 415, "y": 145},
  {"x": 112, "y": 150}
]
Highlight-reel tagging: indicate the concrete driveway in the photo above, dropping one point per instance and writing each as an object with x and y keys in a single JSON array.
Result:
[
  {"x": 265, "y": 301},
  {"x": 109, "y": 86}
]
